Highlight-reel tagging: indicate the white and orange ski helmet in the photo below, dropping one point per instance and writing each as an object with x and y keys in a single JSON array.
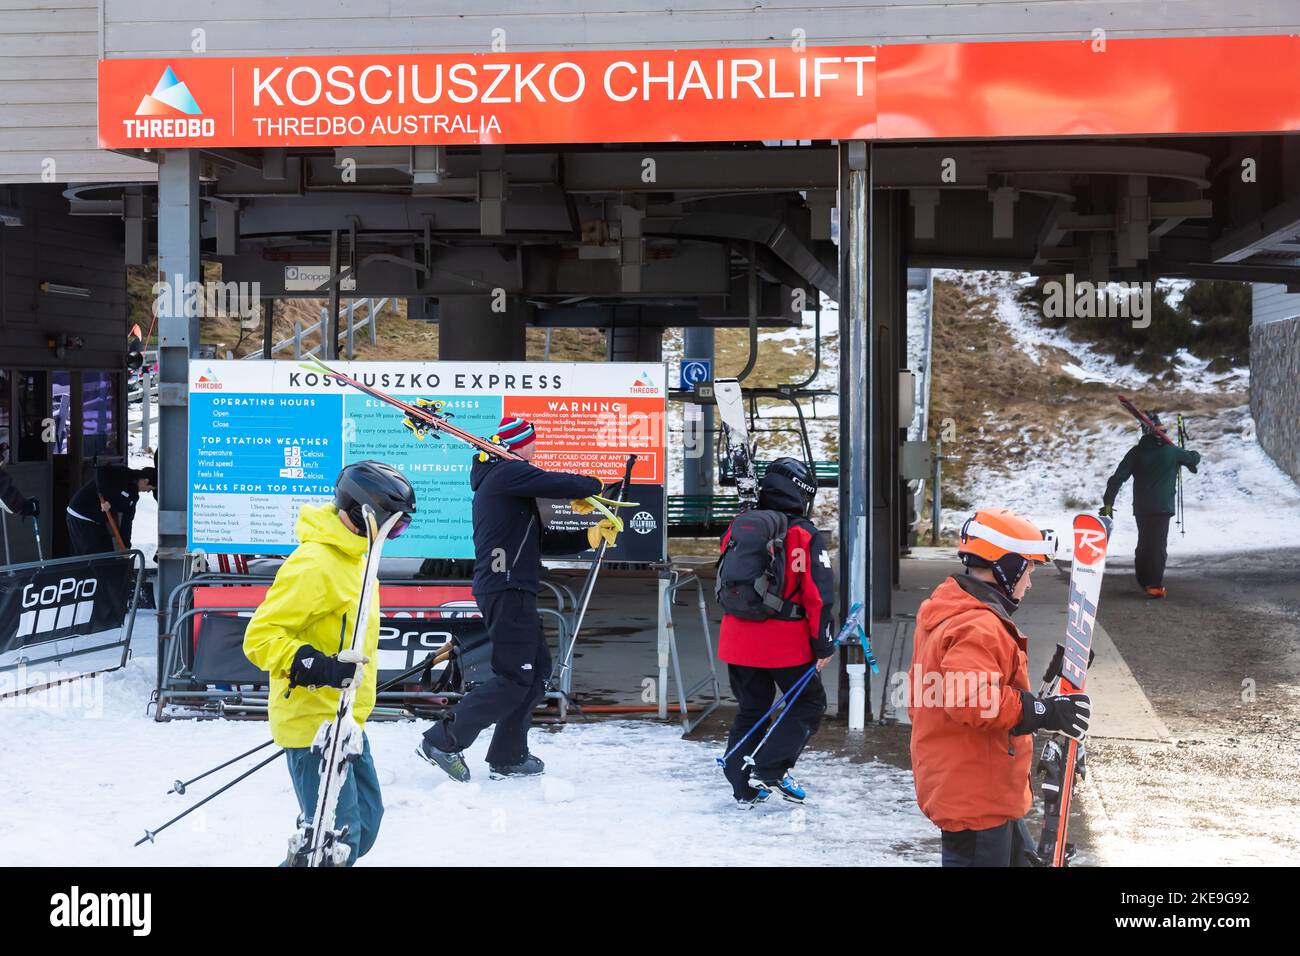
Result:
[{"x": 1006, "y": 543}]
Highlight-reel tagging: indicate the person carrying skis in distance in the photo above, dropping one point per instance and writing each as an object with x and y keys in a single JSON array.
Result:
[
  {"x": 972, "y": 712},
  {"x": 509, "y": 541},
  {"x": 301, "y": 625},
  {"x": 1153, "y": 464},
  {"x": 777, "y": 591}
]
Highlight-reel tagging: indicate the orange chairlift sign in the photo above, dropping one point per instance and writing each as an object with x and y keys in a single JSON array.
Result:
[
  {"x": 1152, "y": 86},
  {"x": 489, "y": 98}
]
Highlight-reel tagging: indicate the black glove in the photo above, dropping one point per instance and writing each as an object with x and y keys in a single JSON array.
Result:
[
  {"x": 312, "y": 667},
  {"x": 1068, "y": 714},
  {"x": 32, "y": 508}
]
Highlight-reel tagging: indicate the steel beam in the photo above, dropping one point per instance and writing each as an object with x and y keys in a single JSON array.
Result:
[{"x": 179, "y": 213}]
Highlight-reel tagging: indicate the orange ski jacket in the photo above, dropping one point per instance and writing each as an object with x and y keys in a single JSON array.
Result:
[{"x": 969, "y": 665}]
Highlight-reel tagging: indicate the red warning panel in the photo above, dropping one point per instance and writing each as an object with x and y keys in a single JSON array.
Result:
[{"x": 595, "y": 435}]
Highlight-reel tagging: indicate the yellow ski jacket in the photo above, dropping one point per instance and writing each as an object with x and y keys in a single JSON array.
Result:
[{"x": 312, "y": 601}]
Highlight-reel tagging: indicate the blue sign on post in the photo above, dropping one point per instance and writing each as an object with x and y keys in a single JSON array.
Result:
[{"x": 695, "y": 371}]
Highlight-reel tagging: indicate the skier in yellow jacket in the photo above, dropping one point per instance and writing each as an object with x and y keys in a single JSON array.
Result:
[{"x": 303, "y": 623}]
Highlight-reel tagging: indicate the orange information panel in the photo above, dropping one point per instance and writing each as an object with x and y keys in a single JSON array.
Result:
[{"x": 620, "y": 427}]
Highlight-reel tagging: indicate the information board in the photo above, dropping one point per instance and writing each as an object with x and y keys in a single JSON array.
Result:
[{"x": 267, "y": 437}]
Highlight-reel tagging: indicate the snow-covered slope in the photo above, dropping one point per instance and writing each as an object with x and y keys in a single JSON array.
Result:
[{"x": 1239, "y": 500}]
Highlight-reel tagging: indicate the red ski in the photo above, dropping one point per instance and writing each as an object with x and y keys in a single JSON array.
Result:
[
  {"x": 419, "y": 418},
  {"x": 1091, "y": 535}
]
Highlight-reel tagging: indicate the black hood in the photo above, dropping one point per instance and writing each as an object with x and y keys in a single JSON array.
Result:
[{"x": 781, "y": 497}]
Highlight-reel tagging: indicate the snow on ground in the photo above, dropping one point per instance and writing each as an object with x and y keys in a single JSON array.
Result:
[{"x": 615, "y": 793}]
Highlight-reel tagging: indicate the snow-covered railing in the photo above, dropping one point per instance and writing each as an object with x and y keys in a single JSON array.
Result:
[{"x": 348, "y": 320}]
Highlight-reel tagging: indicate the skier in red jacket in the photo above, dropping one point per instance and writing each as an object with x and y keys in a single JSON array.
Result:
[{"x": 768, "y": 656}]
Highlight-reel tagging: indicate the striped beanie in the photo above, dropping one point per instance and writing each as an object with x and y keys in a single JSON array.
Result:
[{"x": 516, "y": 432}]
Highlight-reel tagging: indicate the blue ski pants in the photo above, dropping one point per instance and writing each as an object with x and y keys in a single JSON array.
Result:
[{"x": 361, "y": 805}]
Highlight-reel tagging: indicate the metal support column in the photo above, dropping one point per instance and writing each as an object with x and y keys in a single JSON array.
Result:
[
  {"x": 889, "y": 330},
  {"x": 331, "y": 327},
  {"x": 268, "y": 328},
  {"x": 856, "y": 385},
  {"x": 178, "y": 339},
  {"x": 697, "y": 478}
]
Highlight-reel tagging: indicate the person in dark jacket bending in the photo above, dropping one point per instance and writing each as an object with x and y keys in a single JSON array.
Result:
[
  {"x": 509, "y": 541},
  {"x": 1153, "y": 465},
  {"x": 115, "y": 490}
]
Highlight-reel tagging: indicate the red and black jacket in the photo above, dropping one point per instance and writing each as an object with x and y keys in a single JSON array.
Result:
[{"x": 810, "y": 583}]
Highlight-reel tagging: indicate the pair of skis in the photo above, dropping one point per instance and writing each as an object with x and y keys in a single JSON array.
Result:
[
  {"x": 740, "y": 454},
  {"x": 1061, "y": 759},
  {"x": 340, "y": 742},
  {"x": 1164, "y": 436},
  {"x": 425, "y": 417}
]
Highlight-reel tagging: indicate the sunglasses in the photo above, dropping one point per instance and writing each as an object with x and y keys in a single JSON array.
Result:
[{"x": 399, "y": 529}]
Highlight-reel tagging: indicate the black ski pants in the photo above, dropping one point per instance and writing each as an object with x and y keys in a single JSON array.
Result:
[
  {"x": 755, "y": 689},
  {"x": 521, "y": 665},
  {"x": 1151, "y": 554},
  {"x": 1004, "y": 845}
]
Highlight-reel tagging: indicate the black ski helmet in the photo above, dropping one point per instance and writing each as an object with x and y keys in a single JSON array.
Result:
[
  {"x": 382, "y": 487},
  {"x": 788, "y": 485}
]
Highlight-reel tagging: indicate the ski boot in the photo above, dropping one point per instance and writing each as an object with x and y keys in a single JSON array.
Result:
[
  {"x": 530, "y": 766},
  {"x": 786, "y": 786},
  {"x": 759, "y": 795},
  {"x": 452, "y": 764}
]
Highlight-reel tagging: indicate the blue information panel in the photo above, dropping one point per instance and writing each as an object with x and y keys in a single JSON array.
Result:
[{"x": 267, "y": 438}]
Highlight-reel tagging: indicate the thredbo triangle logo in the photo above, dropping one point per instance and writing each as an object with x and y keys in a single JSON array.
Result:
[{"x": 169, "y": 97}]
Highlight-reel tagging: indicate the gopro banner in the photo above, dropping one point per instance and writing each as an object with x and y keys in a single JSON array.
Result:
[
  {"x": 75, "y": 597},
  {"x": 403, "y": 643},
  {"x": 268, "y": 437}
]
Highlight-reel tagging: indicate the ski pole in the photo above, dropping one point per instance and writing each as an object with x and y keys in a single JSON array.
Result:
[
  {"x": 434, "y": 657},
  {"x": 150, "y": 834},
  {"x": 180, "y": 785},
  {"x": 590, "y": 585},
  {"x": 36, "y": 529},
  {"x": 798, "y": 689},
  {"x": 1182, "y": 511},
  {"x": 722, "y": 761}
]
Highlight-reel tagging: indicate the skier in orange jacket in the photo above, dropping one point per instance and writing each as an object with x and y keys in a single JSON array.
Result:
[{"x": 972, "y": 712}]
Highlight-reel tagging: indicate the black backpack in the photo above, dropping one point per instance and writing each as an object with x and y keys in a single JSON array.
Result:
[{"x": 751, "y": 572}]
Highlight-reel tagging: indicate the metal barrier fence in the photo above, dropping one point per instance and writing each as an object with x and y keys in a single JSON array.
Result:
[{"x": 68, "y": 607}]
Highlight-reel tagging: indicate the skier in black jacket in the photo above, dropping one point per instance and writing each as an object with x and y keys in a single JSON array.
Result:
[
  {"x": 509, "y": 541},
  {"x": 115, "y": 489}
]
